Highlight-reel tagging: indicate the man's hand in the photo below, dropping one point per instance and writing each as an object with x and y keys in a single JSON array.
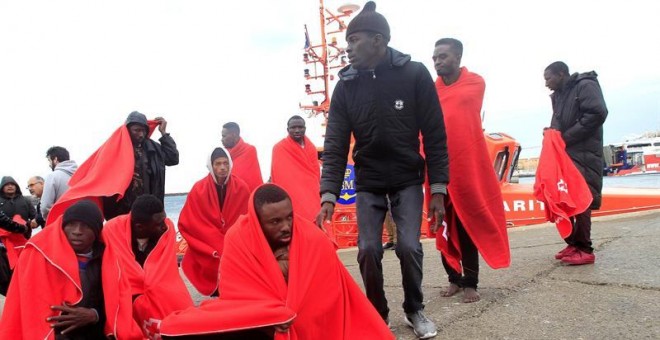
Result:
[
  {"x": 327, "y": 210},
  {"x": 33, "y": 224},
  {"x": 283, "y": 328},
  {"x": 436, "y": 211},
  {"x": 72, "y": 317},
  {"x": 162, "y": 125}
]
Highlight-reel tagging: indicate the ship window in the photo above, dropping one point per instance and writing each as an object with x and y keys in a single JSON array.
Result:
[
  {"x": 500, "y": 163},
  {"x": 514, "y": 163},
  {"x": 656, "y": 144}
]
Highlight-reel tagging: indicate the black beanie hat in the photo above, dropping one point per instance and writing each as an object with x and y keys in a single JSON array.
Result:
[
  {"x": 369, "y": 20},
  {"x": 217, "y": 153},
  {"x": 87, "y": 212},
  {"x": 137, "y": 118}
]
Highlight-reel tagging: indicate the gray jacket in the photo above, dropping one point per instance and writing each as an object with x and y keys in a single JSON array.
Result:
[{"x": 56, "y": 184}]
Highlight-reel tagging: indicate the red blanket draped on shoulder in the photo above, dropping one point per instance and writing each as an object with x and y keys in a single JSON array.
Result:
[
  {"x": 296, "y": 170},
  {"x": 47, "y": 275},
  {"x": 14, "y": 242},
  {"x": 204, "y": 225},
  {"x": 160, "y": 287},
  {"x": 321, "y": 297},
  {"x": 107, "y": 172},
  {"x": 246, "y": 164},
  {"x": 559, "y": 184},
  {"x": 474, "y": 193}
]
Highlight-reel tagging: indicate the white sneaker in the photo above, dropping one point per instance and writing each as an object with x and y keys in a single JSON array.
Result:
[{"x": 422, "y": 327}]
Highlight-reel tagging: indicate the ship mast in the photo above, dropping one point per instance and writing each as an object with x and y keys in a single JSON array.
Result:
[{"x": 325, "y": 56}]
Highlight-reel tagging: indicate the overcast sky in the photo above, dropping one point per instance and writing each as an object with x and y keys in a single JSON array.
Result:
[{"x": 71, "y": 71}]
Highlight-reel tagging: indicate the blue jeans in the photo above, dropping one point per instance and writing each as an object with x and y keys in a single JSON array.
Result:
[{"x": 406, "y": 207}]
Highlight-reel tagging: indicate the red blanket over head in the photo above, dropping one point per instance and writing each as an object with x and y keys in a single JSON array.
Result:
[
  {"x": 246, "y": 164},
  {"x": 158, "y": 283},
  {"x": 559, "y": 184},
  {"x": 203, "y": 225},
  {"x": 107, "y": 172},
  {"x": 47, "y": 275},
  {"x": 474, "y": 193},
  {"x": 321, "y": 297},
  {"x": 296, "y": 170}
]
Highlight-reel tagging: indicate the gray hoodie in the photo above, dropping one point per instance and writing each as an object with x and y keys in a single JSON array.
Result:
[{"x": 56, "y": 184}]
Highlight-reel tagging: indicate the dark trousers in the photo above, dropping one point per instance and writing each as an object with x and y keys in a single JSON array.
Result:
[
  {"x": 581, "y": 235},
  {"x": 469, "y": 261},
  {"x": 5, "y": 272},
  {"x": 406, "y": 207}
]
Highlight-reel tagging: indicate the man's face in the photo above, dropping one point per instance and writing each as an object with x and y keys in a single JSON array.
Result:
[
  {"x": 9, "y": 189},
  {"x": 361, "y": 50},
  {"x": 221, "y": 168},
  {"x": 36, "y": 187},
  {"x": 138, "y": 133},
  {"x": 553, "y": 81},
  {"x": 52, "y": 162},
  {"x": 445, "y": 60},
  {"x": 276, "y": 220},
  {"x": 80, "y": 236},
  {"x": 229, "y": 138},
  {"x": 152, "y": 229},
  {"x": 296, "y": 129}
]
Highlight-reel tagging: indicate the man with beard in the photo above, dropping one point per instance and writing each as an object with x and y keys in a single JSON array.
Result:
[
  {"x": 57, "y": 182},
  {"x": 281, "y": 278}
]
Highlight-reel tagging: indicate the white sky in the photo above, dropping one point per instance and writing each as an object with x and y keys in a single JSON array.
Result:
[{"x": 71, "y": 71}]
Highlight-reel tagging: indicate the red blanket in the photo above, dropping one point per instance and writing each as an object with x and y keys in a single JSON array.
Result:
[
  {"x": 204, "y": 225},
  {"x": 296, "y": 170},
  {"x": 14, "y": 242},
  {"x": 108, "y": 171},
  {"x": 160, "y": 287},
  {"x": 559, "y": 184},
  {"x": 246, "y": 164},
  {"x": 47, "y": 275},
  {"x": 321, "y": 296},
  {"x": 474, "y": 193}
]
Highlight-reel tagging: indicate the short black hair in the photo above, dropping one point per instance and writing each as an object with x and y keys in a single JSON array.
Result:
[
  {"x": 294, "y": 117},
  {"x": 232, "y": 126},
  {"x": 558, "y": 67},
  {"x": 455, "y": 44},
  {"x": 269, "y": 193},
  {"x": 145, "y": 207},
  {"x": 57, "y": 151}
]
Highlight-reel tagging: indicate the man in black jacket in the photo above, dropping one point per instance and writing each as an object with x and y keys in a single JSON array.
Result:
[
  {"x": 150, "y": 161},
  {"x": 385, "y": 100},
  {"x": 579, "y": 112}
]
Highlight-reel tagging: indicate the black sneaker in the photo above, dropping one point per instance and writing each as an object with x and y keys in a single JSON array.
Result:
[
  {"x": 389, "y": 245},
  {"x": 423, "y": 327}
]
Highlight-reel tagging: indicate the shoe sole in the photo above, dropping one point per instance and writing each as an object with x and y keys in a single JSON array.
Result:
[{"x": 426, "y": 336}]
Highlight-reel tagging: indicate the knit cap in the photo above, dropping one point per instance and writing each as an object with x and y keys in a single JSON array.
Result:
[{"x": 369, "y": 20}]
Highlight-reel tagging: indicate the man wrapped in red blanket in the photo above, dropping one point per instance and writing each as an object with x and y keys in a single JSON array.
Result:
[
  {"x": 67, "y": 285},
  {"x": 475, "y": 214},
  {"x": 246, "y": 163},
  {"x": 213, "y": 205},
  {"x": 143, "y": 241},
  {"x": 280, "y": 274},
  {"x": 295, "y": 167}
]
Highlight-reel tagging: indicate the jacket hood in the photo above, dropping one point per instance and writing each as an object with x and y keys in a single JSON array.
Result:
[
  {"x": 393, "y": 58},
  {"x": 209, "y": 165},
  {"x": 7, "y": 180},
  {"x": 137, "y": 118},
  {"x": 68, "y": 167},
  {"x": 577, "y": 77}
]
